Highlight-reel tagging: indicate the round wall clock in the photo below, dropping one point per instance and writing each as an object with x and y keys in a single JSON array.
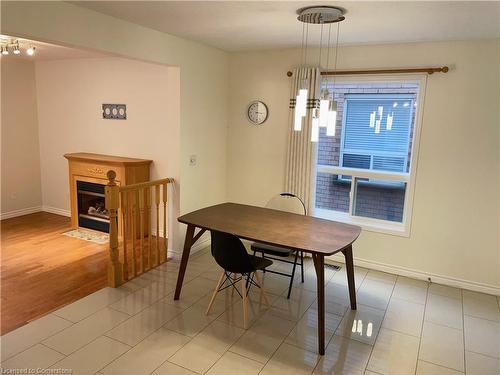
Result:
[{"x": 257, "y": 112}]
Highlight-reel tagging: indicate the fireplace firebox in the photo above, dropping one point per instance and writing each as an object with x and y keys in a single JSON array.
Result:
[{"x": 92, "y": 213}]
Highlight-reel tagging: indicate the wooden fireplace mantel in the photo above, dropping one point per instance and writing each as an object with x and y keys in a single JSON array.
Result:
[
  {"x": 93, "y": 168},
  {"x": 106, "y": 159}
]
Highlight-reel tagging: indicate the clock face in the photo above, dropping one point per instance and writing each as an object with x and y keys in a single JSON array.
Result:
[{"x": 257, "y": 112}]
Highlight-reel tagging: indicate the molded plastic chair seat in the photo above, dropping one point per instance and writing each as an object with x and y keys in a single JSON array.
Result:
[
  {"x": 230, "y": 253},
  {"x": 271, "y": 249}
]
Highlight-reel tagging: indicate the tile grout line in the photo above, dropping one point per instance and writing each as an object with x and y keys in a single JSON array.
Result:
[
  {"x": 97, "y": 338},
  {"x": 48, "y": 347},
  {"x": 484, "y": 355},
  {"x": 228, "y": 324},
  {"x": 463, "y": 330},
  {"x": 382, "y": 322},
  {"x": 422, "y": 328},
  {"x": 62, "y": 317},
  {"x": 41, "y": 341},
  {"x": 132, "y": 347},
  {"x": 31, "y": 347},
  {"x": 192, "y": 338},
  {"x": 481, "y": 318},
  {"x": 439, "y": 365},
  {"x": 162, "y": 326},
  {"x": 345, "y": 312},
  {"x": 283, "y": 340},
  {"x": 74, "y": 323},
  {"x": 69, "y": 321}
]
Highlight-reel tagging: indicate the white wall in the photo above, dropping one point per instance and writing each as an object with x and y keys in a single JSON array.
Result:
[
  {"x": 70, "y": 94},
  {"x": 455, "y": 229},
  {"x": 203, "y": 82},
  {"x": 21, "y": 192}
]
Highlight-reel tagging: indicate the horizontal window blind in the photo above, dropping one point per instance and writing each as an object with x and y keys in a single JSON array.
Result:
[{"x": 383, "y": 145}]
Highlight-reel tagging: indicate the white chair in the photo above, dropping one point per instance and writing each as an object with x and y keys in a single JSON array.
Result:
[{"x": 290, "y": 203}]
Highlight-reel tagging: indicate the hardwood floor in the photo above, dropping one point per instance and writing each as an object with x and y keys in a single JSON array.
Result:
[{"x": 43, "y": 270}]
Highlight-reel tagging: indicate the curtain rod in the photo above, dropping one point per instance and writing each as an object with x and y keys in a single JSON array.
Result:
[{"x": 443, "y": 69}]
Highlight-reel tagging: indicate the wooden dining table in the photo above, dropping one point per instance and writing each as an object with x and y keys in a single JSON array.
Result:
[{"x": 312, "y": 235}]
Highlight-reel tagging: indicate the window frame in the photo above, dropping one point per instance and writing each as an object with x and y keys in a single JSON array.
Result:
[{"x": 370, "y": 224}]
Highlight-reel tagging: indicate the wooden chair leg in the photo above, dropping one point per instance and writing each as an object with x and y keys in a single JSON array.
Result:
[
  {"x": 216, "y": 290},
  {"x": 262, "y": 293},
  {"x": 233, "y": 277},
  {"x": 245, "y": 307}
]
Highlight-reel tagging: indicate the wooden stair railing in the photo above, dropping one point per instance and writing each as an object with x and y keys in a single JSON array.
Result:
[{"x": 138, "y": 244}]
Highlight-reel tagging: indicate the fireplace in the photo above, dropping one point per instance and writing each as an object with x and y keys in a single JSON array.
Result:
[
  {"x": 87, "y": 182},
  {"x": 92, "y": 213}
]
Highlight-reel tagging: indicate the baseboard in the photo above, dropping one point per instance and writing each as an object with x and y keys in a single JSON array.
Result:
[
  {"x": 57, "y": 211},
  {"x": 199, "y": 245},
  {"x": 31, "y": 210},
  {"x": 426, "y": 276},
  {"x": 21, "y": 212}
]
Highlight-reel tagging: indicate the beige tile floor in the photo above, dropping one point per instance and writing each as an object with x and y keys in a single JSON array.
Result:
[{"x": 402, "y": 326}]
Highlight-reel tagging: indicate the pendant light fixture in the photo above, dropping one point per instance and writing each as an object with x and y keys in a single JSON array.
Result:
[
  {"x": 15, "y": 46},
  {"x": 326, "y": 115},
  {"x": 331, "y": 122},
  {"x": 301, "y": 99}
]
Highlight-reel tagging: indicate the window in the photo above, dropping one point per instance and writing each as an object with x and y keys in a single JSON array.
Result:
[
  {"x": 365, "y": 173},
  {"x": 383, "y": 144}
]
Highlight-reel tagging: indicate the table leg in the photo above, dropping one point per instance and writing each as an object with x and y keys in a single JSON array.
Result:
[
  {"x": 319, "y": 265},
  {"x": 188, "y": 242},
  {"x": 350, "y": 275}
]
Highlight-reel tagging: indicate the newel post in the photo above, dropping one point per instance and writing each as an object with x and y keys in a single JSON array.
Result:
[{"x": 112, "y": 204}]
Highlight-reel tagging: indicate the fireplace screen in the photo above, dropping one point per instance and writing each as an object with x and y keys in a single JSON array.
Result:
[{"x": 92, "y": 213}]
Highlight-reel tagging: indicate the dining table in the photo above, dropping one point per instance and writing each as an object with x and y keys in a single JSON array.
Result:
[{"x": 318, "y": 237}]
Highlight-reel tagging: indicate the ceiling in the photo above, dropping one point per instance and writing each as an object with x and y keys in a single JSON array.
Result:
[
  {"x": 254, "y": 25},
  {"x": 46, "y": 51}
]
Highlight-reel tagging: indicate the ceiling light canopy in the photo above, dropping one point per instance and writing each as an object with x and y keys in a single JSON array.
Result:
[{"x": 320, "y": 14}]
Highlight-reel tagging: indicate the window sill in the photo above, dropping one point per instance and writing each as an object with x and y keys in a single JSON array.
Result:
[{"x": 371, "y": 225}]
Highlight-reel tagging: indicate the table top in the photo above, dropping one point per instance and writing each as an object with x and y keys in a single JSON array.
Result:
[{"x": 275, "y": 227}]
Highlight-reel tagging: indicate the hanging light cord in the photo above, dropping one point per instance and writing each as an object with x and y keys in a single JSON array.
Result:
[
  {"x": 328, "y": 54},
  {"x": 336, "y": 52},
  {"x": 307, "y": 37},
  {"x": 302, "y": 44},
  {"x": 320, "y": 44}
]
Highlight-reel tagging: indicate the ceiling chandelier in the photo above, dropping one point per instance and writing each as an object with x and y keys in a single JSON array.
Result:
[
  {"x": 326, "y": 115},
  {"x": 13, "y": 46}
]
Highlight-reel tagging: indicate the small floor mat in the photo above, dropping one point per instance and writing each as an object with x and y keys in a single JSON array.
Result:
[{"x": 87, "y": 235}]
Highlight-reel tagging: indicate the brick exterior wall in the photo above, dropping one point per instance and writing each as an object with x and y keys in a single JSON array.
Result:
[
  {"x": 380, "y": 202},
  {"x": 332, "y": 194},
  {"x": 375, "y": 201}
]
